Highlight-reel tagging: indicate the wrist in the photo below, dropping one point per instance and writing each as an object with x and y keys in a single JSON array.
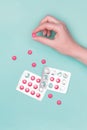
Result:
[{"x": 79, "y": 53}]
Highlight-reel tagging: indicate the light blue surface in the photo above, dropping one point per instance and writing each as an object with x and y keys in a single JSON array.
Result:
[{"x": 18, "y": 112}]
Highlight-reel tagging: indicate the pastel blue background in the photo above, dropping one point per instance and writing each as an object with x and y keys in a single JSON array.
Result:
[{"x": 17, "y": 111}]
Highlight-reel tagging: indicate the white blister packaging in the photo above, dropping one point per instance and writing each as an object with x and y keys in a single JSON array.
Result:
[
  {"x": 29, "y": 84},
  {"x": 55, "y": 80}
]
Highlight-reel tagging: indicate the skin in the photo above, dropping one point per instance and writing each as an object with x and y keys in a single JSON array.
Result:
[{"x": 63, "y": 41}]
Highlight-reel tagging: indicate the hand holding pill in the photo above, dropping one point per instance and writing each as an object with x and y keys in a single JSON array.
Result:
[{"x": 62, "y": 42}]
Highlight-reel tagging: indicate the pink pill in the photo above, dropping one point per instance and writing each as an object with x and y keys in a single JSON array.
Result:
[
  {"x": 43, "y": 61},
  {"x": 35, "y": 86},
  {"x": 56, "y": 87},
  {"x": 14, "y": 57},
  {"x": 32, "y": 92},
  {"x": 30, "y": 84},
  {"x": 50, "y": 95},
  {"x": 32, "y": 77},
  {"x": 34, "y": 64},
  {"x": 38, "y": 95},
  {"x": 58, "y": 80},
  {"x": 24, "y": 81},
  {"x": 59, "y": 102},
  {"x": 27, "y": 90},
  {"x": 34, "y": 35},
  {"x": 38, "y": 80},
  {"x": 52, "y": 78},
  {"x": 21, "y": 87},
  {"x": 29, "y": 52}
]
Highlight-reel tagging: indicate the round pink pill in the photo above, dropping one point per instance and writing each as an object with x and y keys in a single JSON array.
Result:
[
  {"x": 32, "y": 77},
  {"x": 29, "y": 52},
  {"x": 38, "y": 80},
  {"x": 38, "y": 95},
  {"x": 43, "y": 61},
  {"x": 56, "y": 86},
  {"x": 33, "y": 35},
  {"x": 52, "y": 78},
  {"x": 30, "y": 84},
  {"x": 21, "y": 87},
  {"x": 59, "y": 102},
  {"x": 24, "y": 81},
  {"x": 58, "y": 80},
  {"x": 27, "y": 90},
  {"x": 50, "y": 95},
  {"x": 14, "y": 57},
  {"x": 35, "y": 86},
  {"x": 34, "y": 64},
  {"x": 32, "y": 92}
]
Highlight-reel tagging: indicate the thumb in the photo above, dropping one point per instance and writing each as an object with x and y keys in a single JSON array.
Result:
[{"x": 44, "y": 40}]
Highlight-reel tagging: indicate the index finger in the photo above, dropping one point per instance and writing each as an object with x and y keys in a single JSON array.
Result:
[
  {"x": 49, "y": 19},
  {"x": 48, "y": 26}
]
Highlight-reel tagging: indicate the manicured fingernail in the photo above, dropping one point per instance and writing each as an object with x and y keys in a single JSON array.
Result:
[{"x": 34, "y": 35}]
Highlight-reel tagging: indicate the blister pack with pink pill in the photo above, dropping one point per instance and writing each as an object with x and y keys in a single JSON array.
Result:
[
  {"x": 55, "y": 80},
  {"x": 29, "y": 84}
]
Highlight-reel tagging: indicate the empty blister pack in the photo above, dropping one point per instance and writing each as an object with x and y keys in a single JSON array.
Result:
[
  {"x": 29, "y": 84},
  {"x": 55, "y": 80}
]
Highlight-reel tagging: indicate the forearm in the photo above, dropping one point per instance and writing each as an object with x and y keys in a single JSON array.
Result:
[{"x": 80, "y": 53}]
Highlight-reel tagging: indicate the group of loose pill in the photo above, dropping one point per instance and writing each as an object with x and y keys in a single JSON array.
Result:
[{"x": 43, "y": 61}]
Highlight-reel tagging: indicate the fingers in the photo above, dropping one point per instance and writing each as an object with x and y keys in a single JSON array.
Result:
[
  {"x": 44, "y": 40},
  {"x": 49, "y": 19},
  {"x": 48, "y": 26}
]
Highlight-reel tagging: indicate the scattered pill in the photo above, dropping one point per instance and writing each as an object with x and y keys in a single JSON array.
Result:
[
  {"x": 14, "y": 57},
  {"x": 59, "y": 102},
  {"x": 50, "y": 95},
  {"x": 34, "y": 64},
  {"x": 43, "y": 61},
  {"x": 29, "y": 52}
]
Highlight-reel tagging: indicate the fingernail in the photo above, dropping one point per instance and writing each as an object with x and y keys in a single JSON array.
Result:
[{"x": 34, "y": 35}]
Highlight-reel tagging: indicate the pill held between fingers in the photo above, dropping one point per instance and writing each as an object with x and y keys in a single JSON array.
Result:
[
  {"x": 34, "y": 35},
  {"x": 14, "y": 58}
]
